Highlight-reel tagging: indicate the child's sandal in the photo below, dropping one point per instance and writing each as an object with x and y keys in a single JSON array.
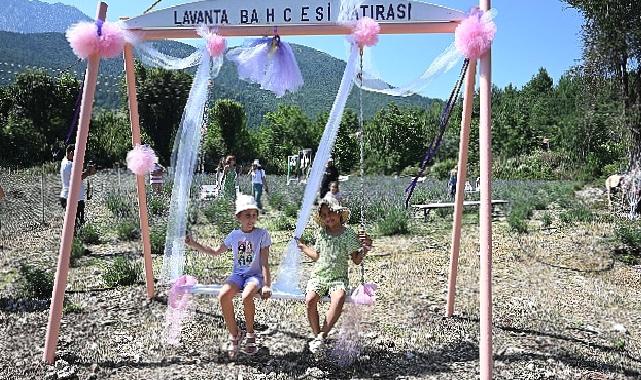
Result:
[
  {"x": 233, "y": 344},
  {"x": 250, "y": 347}
]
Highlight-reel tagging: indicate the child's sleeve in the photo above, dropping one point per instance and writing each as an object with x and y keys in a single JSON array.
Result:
[
  {"x": 266, "y": 241},
  {"x": 353, "y": 244},
  {"x": 229, "y": 240}
]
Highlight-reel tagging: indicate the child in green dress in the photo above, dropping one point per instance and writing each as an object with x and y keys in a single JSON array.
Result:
[{"x": 336, "y": 244}]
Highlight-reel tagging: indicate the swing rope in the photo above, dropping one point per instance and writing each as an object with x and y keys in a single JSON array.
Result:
[{"x": 362, "y": 158}]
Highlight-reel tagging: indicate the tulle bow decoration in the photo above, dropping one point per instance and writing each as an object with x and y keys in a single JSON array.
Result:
[
  {"x": 214, "y": 42},
  {"x": 141, "y": 159},
  {"x": 269, "y": 62},
  {"x": 178, "y": 295},
  {"x": 474, "y": 35},
  {"x": 364, "y": 294},
  {"x": 104, "y": 38}
]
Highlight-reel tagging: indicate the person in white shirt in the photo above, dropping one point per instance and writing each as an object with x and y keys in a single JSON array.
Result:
[
  {"x": 259, "y": 182},
  {"x": 65, "y": 176}
]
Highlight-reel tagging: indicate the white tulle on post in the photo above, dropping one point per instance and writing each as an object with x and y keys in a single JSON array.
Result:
[
  {"x": 288, "y": 272},
  {"x": 184, "y": 158}
]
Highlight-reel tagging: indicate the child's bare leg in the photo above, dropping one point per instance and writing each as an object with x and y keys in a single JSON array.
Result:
[
  {"x": 248, "y": 305},
  {"x": 337, "y": 299},
  {"x": 311, "y": 300},
  {"x": 226, "y": 298}
]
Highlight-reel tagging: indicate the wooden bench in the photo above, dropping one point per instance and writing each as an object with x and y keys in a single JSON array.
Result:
[{"x": 425, "y": 209}]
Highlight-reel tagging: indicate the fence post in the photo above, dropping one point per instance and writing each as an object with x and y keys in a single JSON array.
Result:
[{"x": 42, "y": 192}]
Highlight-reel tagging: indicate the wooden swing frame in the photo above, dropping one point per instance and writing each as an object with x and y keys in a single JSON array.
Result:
[{"x": 414, "y": 27}]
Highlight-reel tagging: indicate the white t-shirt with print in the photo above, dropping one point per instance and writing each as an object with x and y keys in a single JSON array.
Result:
[
  {"x": 65, "y": 176},
  {"x": 246, "y": 247}
]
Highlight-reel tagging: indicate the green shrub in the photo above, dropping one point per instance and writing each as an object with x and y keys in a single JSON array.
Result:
[
  {"x": 277, "y": 200},
  {"x": 119, "y": 206},
  {"x": 221, "y": 214},
  {"x": 290, "y": 210},
  {"x": 546, "y": 220},
  {"x": 157, "y": 237},
  {"x": 283, "y": 223},
  {"x": 628, "y": 241},
  {"x": 441, "y": 169},
  {"x": 128, "y": 230},
  {"x": 519, "y": 214},
  {"x": 35, "y": 283},
  {"x": 88, "y": 234},
  {"x": 394, "y": 222},
  {"x": 77, "y": 250},
  {"x": 309, "y": 236},
  {"x": 121, "y": 272},
  {"x": 157, "y": 206},
  {"x": 577, "y": 214}
]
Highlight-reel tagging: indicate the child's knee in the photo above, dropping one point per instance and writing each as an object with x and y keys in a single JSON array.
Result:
[{"x": 311, "y": 300}]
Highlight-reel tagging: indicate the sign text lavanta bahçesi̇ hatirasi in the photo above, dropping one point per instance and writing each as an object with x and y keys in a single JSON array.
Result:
[{"x": 300, "y": 14}]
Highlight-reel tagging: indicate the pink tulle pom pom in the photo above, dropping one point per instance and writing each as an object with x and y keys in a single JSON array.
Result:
[
  {"x": 364, "y": 294},
  {"x": 112, "y": 40},
  {"x": 177, "y": 294},
  {"x": 216, "y": 44},
  {"x": 474, "y": 35},
  {"x": 141, "y": 159},
  {"x": 85, "y": 41},
  {"x": 366, "y": 32}
]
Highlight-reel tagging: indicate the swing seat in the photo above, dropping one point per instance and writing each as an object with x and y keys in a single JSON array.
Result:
[{"x": 214, "y": 290}]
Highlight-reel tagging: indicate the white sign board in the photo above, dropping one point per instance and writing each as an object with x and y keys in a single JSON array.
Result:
[{"x": 288, "y": 12}]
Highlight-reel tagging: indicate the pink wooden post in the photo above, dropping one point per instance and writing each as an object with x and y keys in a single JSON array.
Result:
[
  {"x": 470, "y": 78},
  {"x": 485, "y": 238},
  {"x": 140, "y": 180},
  {"x": 60, "y": 282}
]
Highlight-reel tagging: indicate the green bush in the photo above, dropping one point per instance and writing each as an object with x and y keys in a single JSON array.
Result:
[
  {"x": 119, "y": 206},
  {"x": 277, "y": 201},
  {"x": 309, "y": 236},
  {"x": 629, "y": 236},
  {"x": 519, "y": 214},
  {"x": 77, "y": 250},
  {"x": 35, "y": 283},
  {"x": 546, "y": 220},
  {"x": 128, "y": 230},
  {"x": 88, "y": 234},
  {"x": 121, "y": 272},
  {"x": 395, "y": 222},
  {"x": 283, "y": 223},
  {"x": 577, "y": 214},
  {"x": 221, "y": 214},
  {"x": 157, "y": 206},
  {"x": 157, "y": 237},
  {"x": 290, "y": 210},
  {"x": 441, "y": 169}
]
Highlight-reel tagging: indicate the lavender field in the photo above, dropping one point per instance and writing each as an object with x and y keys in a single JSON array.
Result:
[{"x": 565, "y": 279}]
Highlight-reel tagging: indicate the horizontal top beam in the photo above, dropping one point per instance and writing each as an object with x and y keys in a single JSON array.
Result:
[{"x": 291, "y": 17}]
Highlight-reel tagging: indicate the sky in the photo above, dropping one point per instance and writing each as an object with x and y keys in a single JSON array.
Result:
[{"x": 530, "y": 34}]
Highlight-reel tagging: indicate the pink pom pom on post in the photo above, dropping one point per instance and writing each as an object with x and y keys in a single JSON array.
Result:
[
  {"x": 216, "y": 44},
  {"x": 141, "y": 159},
  {"x": 112, "y": 41},
  {"x": 366, "y": 32},
  {"x": 83, "y": 39},
  {"x": 474, "y": 35}
]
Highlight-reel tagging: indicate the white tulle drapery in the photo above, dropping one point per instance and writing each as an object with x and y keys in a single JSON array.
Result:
[{"x": 288, "y": 273}]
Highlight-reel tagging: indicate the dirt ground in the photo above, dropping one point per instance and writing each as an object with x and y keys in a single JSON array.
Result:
[{"x": 563, "y": 308}]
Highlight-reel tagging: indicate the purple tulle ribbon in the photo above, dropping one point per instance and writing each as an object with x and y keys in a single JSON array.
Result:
[
  {"x": 99, "y": 26},
  {"x": 436, "y": 143},
  {"x": 268, "y": 62}
]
